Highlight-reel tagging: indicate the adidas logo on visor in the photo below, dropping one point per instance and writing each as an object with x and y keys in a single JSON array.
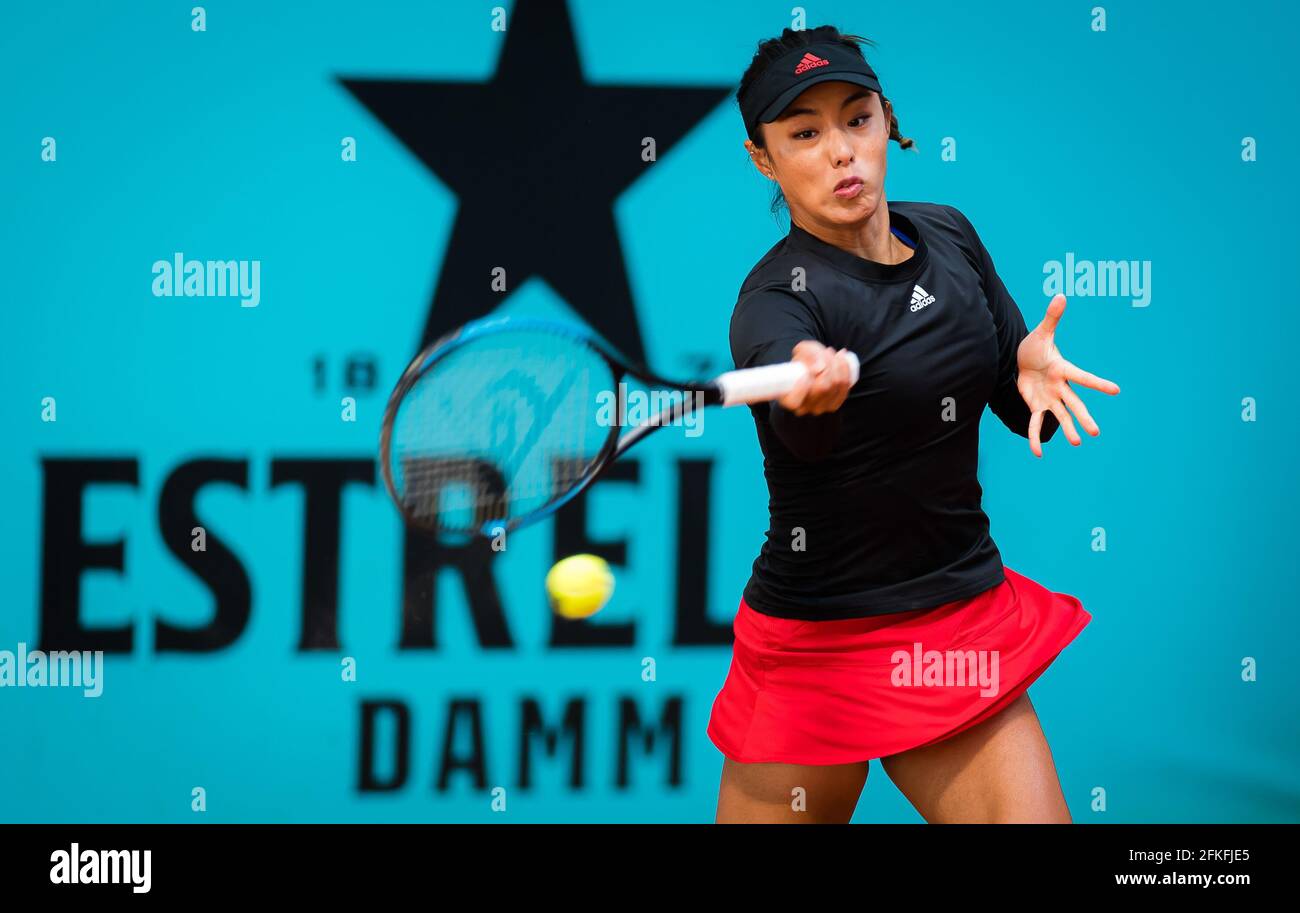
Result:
[{"x": 810, "y": 62}]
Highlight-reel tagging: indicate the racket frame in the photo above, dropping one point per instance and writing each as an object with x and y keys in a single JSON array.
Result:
[{"x": 611, "y": 449}]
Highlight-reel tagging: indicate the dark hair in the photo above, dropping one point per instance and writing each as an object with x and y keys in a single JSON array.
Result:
[{"x": 789, "y": 40}]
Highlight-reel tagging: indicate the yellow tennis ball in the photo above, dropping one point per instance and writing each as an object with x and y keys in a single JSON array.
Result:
[{"x": 579, "y": 585}]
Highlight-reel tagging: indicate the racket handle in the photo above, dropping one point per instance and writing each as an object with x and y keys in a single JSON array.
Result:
[{"x": 761, "y": 385}]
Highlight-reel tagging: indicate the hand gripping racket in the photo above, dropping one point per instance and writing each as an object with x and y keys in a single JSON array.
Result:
[{"x": 504, "y": 420}]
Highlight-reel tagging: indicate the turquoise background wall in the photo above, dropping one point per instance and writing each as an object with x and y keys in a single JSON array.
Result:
[{"x": 1123, "y": 144}]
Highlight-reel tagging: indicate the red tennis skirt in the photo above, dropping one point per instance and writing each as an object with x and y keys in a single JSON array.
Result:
[{"x": 836, "y": 692}]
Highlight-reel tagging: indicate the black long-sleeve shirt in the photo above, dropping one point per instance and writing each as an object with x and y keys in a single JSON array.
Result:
[{"x": 876, "y": 508}]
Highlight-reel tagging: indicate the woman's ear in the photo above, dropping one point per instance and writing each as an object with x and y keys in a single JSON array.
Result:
[{"x": 760, "y": 159}]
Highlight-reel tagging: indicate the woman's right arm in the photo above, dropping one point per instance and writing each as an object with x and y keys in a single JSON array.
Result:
[{"x": 774, "y": 325}]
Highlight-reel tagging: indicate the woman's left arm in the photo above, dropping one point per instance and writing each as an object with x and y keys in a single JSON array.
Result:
[{"x": 1032, "y": 391}]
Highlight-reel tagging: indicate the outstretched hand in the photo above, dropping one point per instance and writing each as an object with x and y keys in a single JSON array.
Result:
[{"x": 1044, "y": 381}]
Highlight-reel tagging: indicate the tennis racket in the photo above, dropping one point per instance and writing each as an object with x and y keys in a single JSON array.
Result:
[{"x": 501, "y": 422}]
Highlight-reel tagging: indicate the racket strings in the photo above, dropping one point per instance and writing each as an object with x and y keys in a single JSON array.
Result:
[{"x": 498, "y": 428}]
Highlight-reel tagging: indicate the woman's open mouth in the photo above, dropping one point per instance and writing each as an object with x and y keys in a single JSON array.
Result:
[{"x": 848, "y": 188}]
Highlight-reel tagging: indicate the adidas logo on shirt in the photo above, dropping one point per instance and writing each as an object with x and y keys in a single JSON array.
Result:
[
  {"x": 809, "y": 62},
  {"x": 920, "y": 298}
]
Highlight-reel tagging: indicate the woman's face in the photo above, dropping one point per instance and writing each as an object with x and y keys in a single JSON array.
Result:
[{"x": 833, "y": 132}]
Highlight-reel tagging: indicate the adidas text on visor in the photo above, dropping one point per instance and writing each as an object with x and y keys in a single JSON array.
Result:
[{"x": 786, "y": 77}]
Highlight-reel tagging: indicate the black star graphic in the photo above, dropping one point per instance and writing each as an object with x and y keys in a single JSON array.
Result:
[{"x": 536, "y": 157}]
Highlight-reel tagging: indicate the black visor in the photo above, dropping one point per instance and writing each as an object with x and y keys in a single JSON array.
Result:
[{"x": 786, "y": 77}]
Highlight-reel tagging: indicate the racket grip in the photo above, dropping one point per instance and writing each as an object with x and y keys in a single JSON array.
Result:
[{"x": 760, "y": 385}]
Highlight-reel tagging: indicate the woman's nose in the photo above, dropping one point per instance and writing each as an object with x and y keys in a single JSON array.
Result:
[{"x": 842, "y": 150}]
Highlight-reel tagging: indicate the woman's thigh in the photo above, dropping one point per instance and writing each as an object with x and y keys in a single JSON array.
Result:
[
  {"x": 998, "y": 771},
  {"x": 789, "y": 793}
]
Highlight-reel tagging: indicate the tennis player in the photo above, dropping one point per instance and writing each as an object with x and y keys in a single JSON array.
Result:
[{"x": 878, "y": 558}]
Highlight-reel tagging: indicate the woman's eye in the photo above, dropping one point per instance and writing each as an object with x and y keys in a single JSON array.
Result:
[
  {"x": 800, "y": 134},
  {"x": 862, "y": 117}
]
